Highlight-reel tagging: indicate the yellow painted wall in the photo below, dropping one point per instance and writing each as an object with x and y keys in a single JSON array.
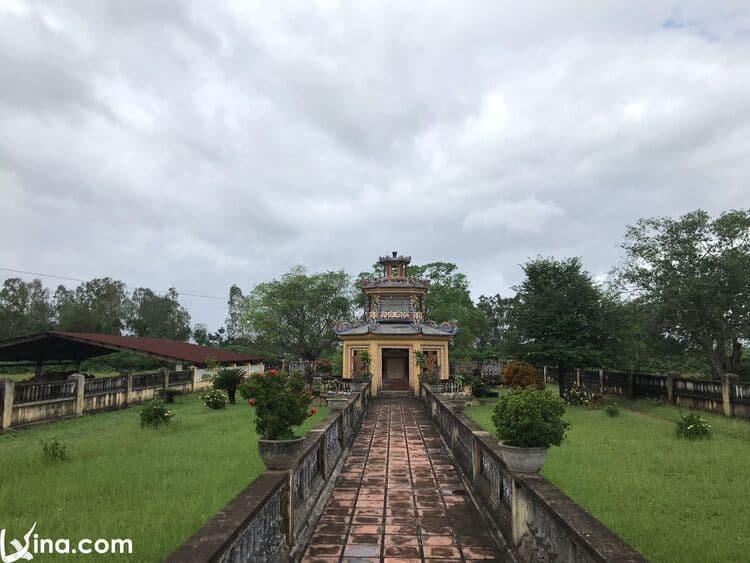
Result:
[{"x": 375, "y": 345}]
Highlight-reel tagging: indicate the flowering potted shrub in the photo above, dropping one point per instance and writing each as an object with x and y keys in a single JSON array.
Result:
[
  {"x": 281, "y": 402},
  {"x": 429, "y": 374},
  {"x": 528, "y": 422}
]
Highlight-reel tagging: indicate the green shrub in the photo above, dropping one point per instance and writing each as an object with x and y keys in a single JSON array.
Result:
[
  {"x": 612, "y": 411},
  {"x": 155, "y": 413},
  {"x": 228, "y": 379},
  {"x": 214, "y": 399},
  {"x": 168, "y": 395},
  {"x": 529, "y": 418},
  {"x": 693, "y": 427},
  {"x": 521, "y": 374},
  {"x": 579, "y": 396},
  {"x": 53, "y": 451},
  {"x": 281, "y": 402}
]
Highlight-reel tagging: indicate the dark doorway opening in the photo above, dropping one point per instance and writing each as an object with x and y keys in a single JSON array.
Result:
[{"x": 395, "y": 362}]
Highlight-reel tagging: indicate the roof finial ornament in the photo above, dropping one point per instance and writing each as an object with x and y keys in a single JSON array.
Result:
[{"x": 394, "y": 253}]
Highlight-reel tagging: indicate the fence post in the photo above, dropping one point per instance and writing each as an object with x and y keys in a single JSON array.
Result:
[
  {"x": 80, "y": 381},
  {"x": 601, "y": 382},
  {"x": 670, "y": 386},
  {"x": 195, "y": 378},
  {"x": 9, "y": 389},
  {"x": 728, "y": 381},
  {"x": 578, "y": 377},
  {"x": 544, "y": 373},
  {"x": 128, "y": 386},
  {"x": 165, "y": 371},
  {"x": 631, "y": 385}
]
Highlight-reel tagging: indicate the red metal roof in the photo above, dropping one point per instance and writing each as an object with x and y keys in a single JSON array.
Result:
[{"x": 175, "y": 349}]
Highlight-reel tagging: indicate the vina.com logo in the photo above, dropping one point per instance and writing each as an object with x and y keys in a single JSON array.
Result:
[{"x": 35, "y": 545}]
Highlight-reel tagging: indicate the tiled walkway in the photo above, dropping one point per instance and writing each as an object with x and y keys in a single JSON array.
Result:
[{"x": 398, "y": 497}]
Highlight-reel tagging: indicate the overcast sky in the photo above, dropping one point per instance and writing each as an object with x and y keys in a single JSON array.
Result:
[{"x": 202, "y": 144}]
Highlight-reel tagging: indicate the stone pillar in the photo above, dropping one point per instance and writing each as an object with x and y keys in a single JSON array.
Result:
[
  {"x": 578, "y": 377},
  {"x": 601, "y": 382},
  {"x": 6, "y": 408},
  {"x": 631, "y": 385},
  {"x": 519, "y": 509},
  {"x": 80, "y": 382},
  {"x": 165, "y": 371},
  {"x": 195, "y": 377},
  {"x": 671, "y": 398},
  {"x": 544, "y": 373},
  {"x": 128, "y": 386},
  {"x": 728, "y": 380}
]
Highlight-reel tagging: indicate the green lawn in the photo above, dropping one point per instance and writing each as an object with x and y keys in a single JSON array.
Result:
[
  {"x": 154, "y": 486},
  {"x": 673, "y": 500}
]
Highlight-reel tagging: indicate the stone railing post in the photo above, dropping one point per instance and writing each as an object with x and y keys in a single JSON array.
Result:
[
  {"x": 9, "y": 389},
  {"x": 80, "y": 381},
  {"x": 578, "y": 377},
  {"x": 544, "y": 373},
  {"x": 194, "y": 378},
  {"x": 670, "y": 386},
  {"x": 128, "y": 386},
  {"x": 519, "y": 513},
  {"x": 728, "y": 380},
  {"x": 601, "y": 382},
  {"x": 165, "y": 371},
  {"x": 631, "y": 385}
]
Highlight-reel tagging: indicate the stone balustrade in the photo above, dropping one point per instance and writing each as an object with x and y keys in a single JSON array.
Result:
[
  {"x": 527, "y": 512},
  {"x": 271, "y": 520}
]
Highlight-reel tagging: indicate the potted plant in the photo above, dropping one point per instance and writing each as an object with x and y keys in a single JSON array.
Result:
[
  {"x": 429, "y": 375},
  {"x": 528, "y": 422},
  {"x": 281, "y": 402}
]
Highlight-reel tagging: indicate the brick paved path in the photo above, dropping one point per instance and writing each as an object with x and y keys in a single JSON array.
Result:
[{"x": 398, "y": 497}]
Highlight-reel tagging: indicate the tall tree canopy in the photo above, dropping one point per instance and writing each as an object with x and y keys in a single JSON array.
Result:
[
  {"x": 498, "y": 335},
  {"x": 99, "y": 305},
  {"x": 158, "y": 316},
  {"x": 295, "y": 315},
  {"x": 25, "y": 308},
  {"x": 692, "y": 272},
  {"x": 562, "y": 318}
]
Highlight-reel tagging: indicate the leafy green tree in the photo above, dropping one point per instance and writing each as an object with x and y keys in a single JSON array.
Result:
[
  {"x": 235, "y": 328},
  {"x": 562, "y": 317},
  {"x": 25, "y": 308},
  {"x": 216, "y": 339},
  {"x": 158, "y": 316},
  {"x": 295, "y": 315},
  {"x": 498, "y": 335},
  {"x": 99, "y": 305},
  {"x": 692, "y": 273}
]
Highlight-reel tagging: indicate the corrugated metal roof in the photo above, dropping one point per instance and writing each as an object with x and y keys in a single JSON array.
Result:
[{"x": 55, "y": 345}]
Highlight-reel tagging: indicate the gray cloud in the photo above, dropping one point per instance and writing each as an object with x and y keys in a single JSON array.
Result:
[{"x": 202, "y": 144}]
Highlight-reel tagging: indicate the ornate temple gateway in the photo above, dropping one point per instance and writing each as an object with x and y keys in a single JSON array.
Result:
[{"x": 394, "y": 328}]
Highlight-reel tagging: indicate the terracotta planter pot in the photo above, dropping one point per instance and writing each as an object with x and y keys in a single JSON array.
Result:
[
  {"x": 523, "y": 460},
  {"x": 337, "y": 403},
  {"x": 280, "y": 454}
]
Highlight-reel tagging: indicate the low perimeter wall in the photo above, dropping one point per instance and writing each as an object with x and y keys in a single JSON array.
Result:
[
  {"x": 25, "y": 403},
  {"x": 725, "y": 396},
  {"x": 533, "y": 516},
  {"x": 271, "y": 520}
]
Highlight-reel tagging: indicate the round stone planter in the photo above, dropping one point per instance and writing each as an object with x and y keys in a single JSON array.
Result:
[
  {"x": 280, "y": 454},
  {"x": 337, "y": 403},
  {"x": 523, "y": 460},
  {"x": 357, "y": 387},
  {"x": 434, "y": 387}
]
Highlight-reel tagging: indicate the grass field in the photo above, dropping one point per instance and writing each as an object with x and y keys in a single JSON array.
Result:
[
  {"x": 154, "y": 486},
  {"x": 673, "y": 500}
]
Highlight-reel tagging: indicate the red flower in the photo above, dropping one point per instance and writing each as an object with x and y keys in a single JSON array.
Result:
[
  {"x": 313, "y": 411},
  {"x": 273, "y": 371},
  {"x": 309, "y": 392},
  {"x": 251, "y": 401}
]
